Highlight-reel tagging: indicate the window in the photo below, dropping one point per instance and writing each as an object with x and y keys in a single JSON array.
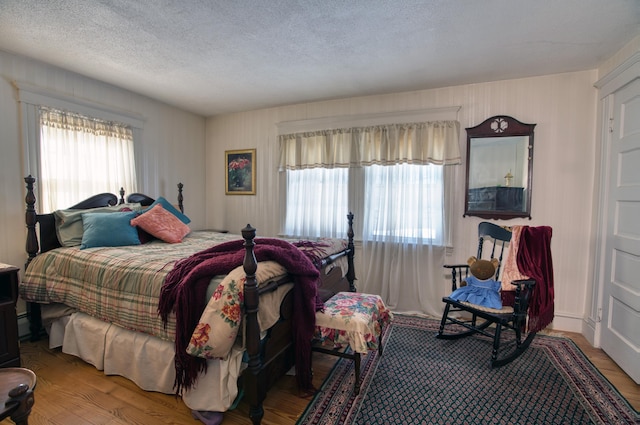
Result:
[
  {"x": 392, "y": 176},
  {"x": 81, "y": 156},
  {"x": 401, "y": 203},
  {"x": 75, "y": 148},
  {"x": 313, "y": 197},
  {"x": 404, "y": 203}
]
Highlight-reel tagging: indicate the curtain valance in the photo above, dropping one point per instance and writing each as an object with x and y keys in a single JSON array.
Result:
[
  {"x": 64, "y": 120},
  {"x": 433, "y": 142}
]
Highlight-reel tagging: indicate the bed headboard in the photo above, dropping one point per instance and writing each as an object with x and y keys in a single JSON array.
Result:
[{"x": 46, "y": 239}]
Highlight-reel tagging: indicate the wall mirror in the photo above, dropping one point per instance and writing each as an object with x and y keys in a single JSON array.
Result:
[{"x": 499, "y": 169}]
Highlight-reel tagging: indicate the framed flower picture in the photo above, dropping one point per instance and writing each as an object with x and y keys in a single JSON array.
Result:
[{"x": 240, "y": 178}]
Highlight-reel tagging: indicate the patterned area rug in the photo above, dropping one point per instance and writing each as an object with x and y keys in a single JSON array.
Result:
[{"x": 423, "y": 380}]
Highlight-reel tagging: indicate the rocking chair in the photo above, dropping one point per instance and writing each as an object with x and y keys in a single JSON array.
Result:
[{"x": 488, "y": 321}]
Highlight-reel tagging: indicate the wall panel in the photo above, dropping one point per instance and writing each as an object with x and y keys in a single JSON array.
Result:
[{"x": 564, "y": 108}]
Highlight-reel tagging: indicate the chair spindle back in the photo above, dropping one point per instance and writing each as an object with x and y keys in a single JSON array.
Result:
[{"x": 498, "y": 236}]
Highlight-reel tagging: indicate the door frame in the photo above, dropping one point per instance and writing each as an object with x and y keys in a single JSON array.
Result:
[{"x": 624, "y": 74}]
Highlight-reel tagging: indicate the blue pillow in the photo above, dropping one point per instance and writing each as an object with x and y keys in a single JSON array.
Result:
[
  {"x": 109, "y": 229},
  {"x": 169, "y": 207}
]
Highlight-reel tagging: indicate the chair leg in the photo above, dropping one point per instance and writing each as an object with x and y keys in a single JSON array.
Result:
[
  {"x": 443, "y": 322},
  {"x": 518, "y": 333},
  {"x": 515, "y": 353},
  {"x": 355, "y": 356},
  {"x": 471, "y": 326},
  {"x": 496, "y": 344}
]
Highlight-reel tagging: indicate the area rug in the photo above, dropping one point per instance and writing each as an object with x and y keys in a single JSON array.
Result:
[{"x": 423, "y": 380}]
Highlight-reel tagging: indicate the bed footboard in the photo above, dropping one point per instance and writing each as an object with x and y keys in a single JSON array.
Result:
[{"x": 265, "y": 368}]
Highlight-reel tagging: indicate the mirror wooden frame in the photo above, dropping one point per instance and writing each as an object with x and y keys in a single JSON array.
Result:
[{"x": 503, "y": 191}]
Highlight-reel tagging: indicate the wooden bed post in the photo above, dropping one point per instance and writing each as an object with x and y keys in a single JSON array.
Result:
[
  {"x": 32, "y": 246},
  {"x": 351, "y": 273},
  {"x": 180, "y": 198},
  {"x": 254, "y": 388}
]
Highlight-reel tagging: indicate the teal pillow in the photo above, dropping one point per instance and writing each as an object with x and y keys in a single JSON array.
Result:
[
  {"x": 169, "y": 207},
  {"x": 109, "y": 229}
]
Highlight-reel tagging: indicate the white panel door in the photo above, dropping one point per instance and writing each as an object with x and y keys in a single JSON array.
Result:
[{"x": 621, "y": 288}]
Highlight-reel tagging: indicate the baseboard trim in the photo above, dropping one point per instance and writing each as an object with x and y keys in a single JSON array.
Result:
[{"x": 569, "y": 323}]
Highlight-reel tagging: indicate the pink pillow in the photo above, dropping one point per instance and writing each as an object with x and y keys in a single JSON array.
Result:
[{"x": 162, "y": 224}]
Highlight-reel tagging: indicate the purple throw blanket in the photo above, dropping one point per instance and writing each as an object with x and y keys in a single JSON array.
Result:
[
  {"x": 184, "y": 292},
  {"x": 534, "y": 260}
]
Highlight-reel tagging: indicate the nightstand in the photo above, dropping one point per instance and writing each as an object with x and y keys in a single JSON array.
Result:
[{"x": 9, "y": 348}]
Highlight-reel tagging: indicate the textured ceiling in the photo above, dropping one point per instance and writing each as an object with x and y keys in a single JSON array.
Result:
[{"x": 218, "y": 56}]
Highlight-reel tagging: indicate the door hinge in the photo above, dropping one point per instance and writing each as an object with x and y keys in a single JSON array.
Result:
[
  {"x": 611, "y": 125},
  {"x": 599, "y": 315}
]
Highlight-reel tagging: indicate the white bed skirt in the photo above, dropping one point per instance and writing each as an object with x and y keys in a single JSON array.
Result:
[
  {"x": 146, "y": 360},
  {"x": 149, "y": 361}
]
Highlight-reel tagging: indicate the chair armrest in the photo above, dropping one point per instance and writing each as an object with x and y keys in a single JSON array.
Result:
[
  {"x": 526, "y": 282},
  {"x": 451, "y": 266},
  {"x": 457, "y": 271},
  {"x": 522, "y": 295}
]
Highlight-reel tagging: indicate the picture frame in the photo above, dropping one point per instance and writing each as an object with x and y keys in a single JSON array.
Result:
[{"x": 240, "y": 175}]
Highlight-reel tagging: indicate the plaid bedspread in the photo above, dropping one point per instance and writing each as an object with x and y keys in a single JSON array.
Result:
[{"x": 120, "y": 285}]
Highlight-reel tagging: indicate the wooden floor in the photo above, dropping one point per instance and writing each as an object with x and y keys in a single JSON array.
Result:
[{"x": 71, "y": 392}]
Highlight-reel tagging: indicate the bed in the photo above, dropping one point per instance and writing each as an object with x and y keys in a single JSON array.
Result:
[{"x": 106, "y": 320}]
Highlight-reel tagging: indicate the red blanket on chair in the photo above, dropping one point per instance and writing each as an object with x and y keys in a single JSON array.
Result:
[
  {"x": 185, "y": 288},
  {"x": 534, "y": 260}
]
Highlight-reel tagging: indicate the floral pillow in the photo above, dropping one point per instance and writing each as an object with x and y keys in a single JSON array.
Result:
[
  {"x": 162, "y": 224},
  {"x": 220, "y": 321},
  {"x": 170, "y": 208}
]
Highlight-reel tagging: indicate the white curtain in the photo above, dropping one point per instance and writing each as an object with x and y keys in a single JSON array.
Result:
[
  {"x": 404, "y": 203},
  {"x": 397, "y": 185},
  {"x": 80, "y": 157},
  {"x": 403, "y": 236},
  {"x": 313, "y": 198}
]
